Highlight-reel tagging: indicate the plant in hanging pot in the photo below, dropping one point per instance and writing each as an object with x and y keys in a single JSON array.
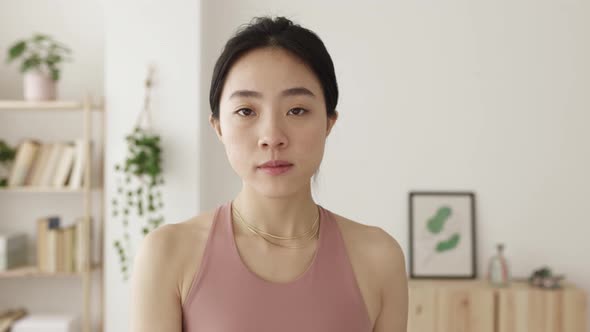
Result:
[
  {"x": 41, "y": 58},
  {"x": 139, "y": 183}
]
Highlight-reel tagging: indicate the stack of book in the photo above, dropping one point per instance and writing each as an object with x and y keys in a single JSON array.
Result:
[
  {"x": 62, "y": 248},
  {"x": 49, "y": 164}
]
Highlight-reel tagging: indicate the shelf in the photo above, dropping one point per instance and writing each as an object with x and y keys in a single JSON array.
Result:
[
  {"x": 31, "y": 189},
  {"x": 32, "y": 271},
  {"x": 56, "y": 105}
]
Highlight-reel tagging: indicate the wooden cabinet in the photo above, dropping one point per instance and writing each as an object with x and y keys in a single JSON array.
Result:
[
  {"x": 473, "y": 305},
  {"x": 523, "y": 308}
]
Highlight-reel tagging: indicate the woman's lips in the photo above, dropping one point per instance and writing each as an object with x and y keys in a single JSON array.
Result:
[{"x": 276, "y": 170}]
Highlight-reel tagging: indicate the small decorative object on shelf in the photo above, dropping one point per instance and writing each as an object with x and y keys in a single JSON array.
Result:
[
  {"x": 13, "y": 250},
  {"x": 498, "y": 271},
  {"x": 7, "y": 155},
  {"x": 139, "y": 182},
  {"x": 41, "y": 57},
  {"x": 544, "y": 278}
]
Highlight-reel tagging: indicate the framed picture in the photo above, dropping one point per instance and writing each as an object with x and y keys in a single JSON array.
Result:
[{"x": 442, "y": 235}]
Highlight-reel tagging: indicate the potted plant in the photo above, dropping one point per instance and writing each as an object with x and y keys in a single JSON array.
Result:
[
  {"x": 7, "y": 155},
  {"x": 41, "y": 57}
]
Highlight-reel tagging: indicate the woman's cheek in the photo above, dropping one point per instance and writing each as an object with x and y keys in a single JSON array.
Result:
[
  {"x": 314, "y": 155},
  {"x": 239, "y": 158}
]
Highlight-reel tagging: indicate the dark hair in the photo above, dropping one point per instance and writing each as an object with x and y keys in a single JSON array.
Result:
[{"x": 278, "y": 32}]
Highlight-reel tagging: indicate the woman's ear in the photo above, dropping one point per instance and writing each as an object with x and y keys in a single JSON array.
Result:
[
  {"x": 331, "y": 122},
  {"x": 216, "y": 125}
]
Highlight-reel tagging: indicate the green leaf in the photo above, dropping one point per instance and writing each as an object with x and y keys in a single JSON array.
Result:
[
  {"x": 53, "y": 59},
  {"x": 16, "y": 50},
  {"x": 32, "y": 62},
  {"x": 436, "y": 223},
  {"x": 39, "y": 37},
  {"x": 54, "y": 74},
  {"x": 449, "y": 244}
]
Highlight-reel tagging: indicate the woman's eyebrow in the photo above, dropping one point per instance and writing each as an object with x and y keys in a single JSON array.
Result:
[{"x": 297, "y": 91}]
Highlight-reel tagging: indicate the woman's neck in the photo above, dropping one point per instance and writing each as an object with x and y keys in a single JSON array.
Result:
[{"x": 281, "y": 216}]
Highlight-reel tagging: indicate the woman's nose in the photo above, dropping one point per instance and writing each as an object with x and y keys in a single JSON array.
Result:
[{"x": 272, "y": 135}]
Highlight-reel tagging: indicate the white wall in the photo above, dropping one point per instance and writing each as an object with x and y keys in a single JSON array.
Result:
[
  {"x": 80, "y": 26},
  {"x": 447, "y": 95},
  {"x": 165, "y": 34}
]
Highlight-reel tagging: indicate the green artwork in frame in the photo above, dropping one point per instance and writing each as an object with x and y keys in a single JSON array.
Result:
[{"x": 442, "y": 234}]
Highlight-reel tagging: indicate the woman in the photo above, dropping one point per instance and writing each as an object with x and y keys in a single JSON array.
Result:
[{"x": 271, "y": 259}]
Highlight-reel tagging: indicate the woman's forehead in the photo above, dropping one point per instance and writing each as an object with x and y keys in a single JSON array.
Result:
[{"x": 269, "y": 71}]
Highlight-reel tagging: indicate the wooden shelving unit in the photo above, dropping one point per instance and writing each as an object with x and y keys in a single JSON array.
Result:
[
  {"x": 57, "y": 105},
  {"x": 45, "y": 190},
  {"x": 33, "y": 272},
  {"x": 87, "y": 108}
]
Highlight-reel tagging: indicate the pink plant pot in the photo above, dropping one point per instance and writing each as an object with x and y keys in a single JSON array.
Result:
[{"x": 39, "y": 86}]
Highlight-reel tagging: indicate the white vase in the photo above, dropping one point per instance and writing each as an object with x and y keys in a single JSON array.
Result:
[{"x": 38, "y": 86}]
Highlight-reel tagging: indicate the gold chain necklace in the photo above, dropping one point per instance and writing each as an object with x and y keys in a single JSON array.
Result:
[{"x": 262, "y": 234}]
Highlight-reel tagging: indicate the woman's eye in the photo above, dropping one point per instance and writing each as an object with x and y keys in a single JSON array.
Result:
[
  {"x": 246, "y": 112},
  {"x": 299, "y": 111}
]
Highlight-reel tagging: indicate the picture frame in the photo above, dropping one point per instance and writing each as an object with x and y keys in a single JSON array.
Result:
[{"x": 442, "y": 233}]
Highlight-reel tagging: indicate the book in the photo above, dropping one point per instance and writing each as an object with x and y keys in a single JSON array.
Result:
[
  {"x": 8, "y": 317},
  {"x": 48, "y": 168},
  {"x": 76, "y": 179},
  {"x": 64, "y": 165},
  {"x": 45, "y": 244},
  {"x": 37, "y": 167},
  {"x": 23, "y": 160},
  {"x": 68, "y": 248}
]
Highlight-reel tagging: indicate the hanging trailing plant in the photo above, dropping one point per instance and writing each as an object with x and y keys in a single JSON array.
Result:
[{"x": 139, "y": 180}]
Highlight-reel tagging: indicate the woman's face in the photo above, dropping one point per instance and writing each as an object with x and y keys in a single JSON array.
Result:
[{"x": 272, "y": 108}]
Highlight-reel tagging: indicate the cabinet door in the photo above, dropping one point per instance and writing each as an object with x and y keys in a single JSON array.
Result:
[
  {"x": 465, "y": 310},
  {"x": 421, "y": 309},
  {"x": 452, "y": 309},
  {"x": 531, "y": 309}
]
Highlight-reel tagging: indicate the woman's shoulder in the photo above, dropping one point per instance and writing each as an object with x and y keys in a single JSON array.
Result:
[
  {"x": 175, "y": 250},
  {"x": 376, "y": 258},
  {"x": 372, "y": 244},
  {"x": 366, "y": 235},
  {"x": 170, "y": 237}
]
